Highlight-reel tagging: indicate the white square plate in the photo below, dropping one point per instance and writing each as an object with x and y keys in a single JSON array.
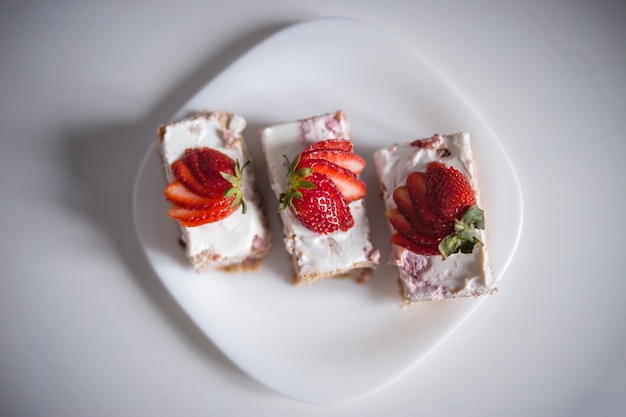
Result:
[{"x": 336, "y": 340}]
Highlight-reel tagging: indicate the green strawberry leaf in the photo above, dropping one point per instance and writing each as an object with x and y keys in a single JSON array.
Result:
[
  {"x": 236, "y": 190},
  {"x": 449, "y": 245},
  {"x": 305, "y": 184},
  {"x": 295, "y": 182},
  {"x": 474, "y": 216},
  {"x": 468, "y": 246},
  {"x": 463, "y": 238}
]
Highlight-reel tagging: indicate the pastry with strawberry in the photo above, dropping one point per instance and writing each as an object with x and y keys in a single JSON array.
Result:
[
  {"x": 212, "y": 191},
  {"x": 436, "y": 217},
  {"x": 315, "y": 175}
]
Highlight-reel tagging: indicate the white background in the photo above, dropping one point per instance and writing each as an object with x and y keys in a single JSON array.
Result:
[{"x": 87, "y": 329}]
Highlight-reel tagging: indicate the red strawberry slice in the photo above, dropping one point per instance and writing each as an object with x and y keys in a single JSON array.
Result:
[
  {"x": 347, "y": 160},
  {"x": 208, "y": 187},
  {"x": 192, "y": 218},
  {"x": 214, "y": 162},
  {"x": 331, "y": 144},
  {"x": 321, "y": 209},
  {"x": 321, "y": 182},
  {"x": 416, "y": 184},
  {"x": 192, "y": 160},
  {"x": 406, "y": 205},
  {"x": 403, "y": 226},
  {"x": 448, "y": 192},
  {"x": 403, "y": 200},
  {"x": 348, "y": 183},
  {"x": 433, "y": 211},
  {"x": 182, "y": 172},
  {"x": 208, "y": 165},
  {"x": 179, "y": 195},
  {"x": 400, "y": 240}
]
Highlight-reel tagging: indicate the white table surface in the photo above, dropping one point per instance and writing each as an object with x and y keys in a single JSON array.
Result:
[{"x": 86, "y": 328}]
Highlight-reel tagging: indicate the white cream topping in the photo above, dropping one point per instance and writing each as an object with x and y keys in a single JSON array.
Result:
[
  {"x": 316, "y": 254},
  {"x": 432, "y": 277},
  {"x": 229, "y": 241}
]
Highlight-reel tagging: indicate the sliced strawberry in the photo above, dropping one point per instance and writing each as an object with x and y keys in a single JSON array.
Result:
[
  {"x": 213, "y": 163},
  {"x": 403, "y": 200},
  {"x": 207, "y": 166},
  {"x": 347, "y": 160},
  {"x": 321, "y": 208},
  {"x": 400, "y": 240},
  {"x": 405, "y": 204},
  {"x": 403, "y": 226},
  {"x": 448, "y": 192},
  {"x": 438, "y": 229},
  {"x": 348, "y": 183},
  {"x": 436, "y": 213},
  {"x": 208, "y": 187},
  {"x": 331, "y": 144},
  {"x": 192, "y": 160},
  {"x": 321, "y": 182},
  {"x": 182, "y": 172},
  {"x": 179, "y": 195},
  {"x": 416, "y": 184},
  {"x": 192, "y": 218}
]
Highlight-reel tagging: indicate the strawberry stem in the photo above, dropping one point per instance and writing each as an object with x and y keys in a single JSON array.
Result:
[
  {"x": 463, "y": 239},
  {"x": 295, "y": 182},
  {"x": 237, "y": 186}
]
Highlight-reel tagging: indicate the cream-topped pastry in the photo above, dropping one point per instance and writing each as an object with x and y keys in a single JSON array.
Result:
[
  {"x": 197, "y": 153},
  {"x": 337, "y": 241},
  {"x": 413, "y": 172}
]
